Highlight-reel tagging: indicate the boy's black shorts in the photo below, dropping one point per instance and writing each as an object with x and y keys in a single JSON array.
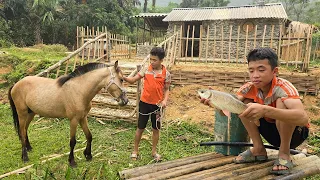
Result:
[
  {"x": 145, "y": 108},
  {"x": 270, "y": 132}
]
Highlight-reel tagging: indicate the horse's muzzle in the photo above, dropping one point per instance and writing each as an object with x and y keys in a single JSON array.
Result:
[{"x": 123, "y": 99}]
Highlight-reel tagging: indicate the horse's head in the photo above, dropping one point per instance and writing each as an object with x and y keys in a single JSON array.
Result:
[{"x": 115, "y": 86}]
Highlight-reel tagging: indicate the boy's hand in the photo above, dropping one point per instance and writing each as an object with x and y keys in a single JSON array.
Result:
[
  {"x": 254, "y": 112},
  {"x": 205, "y": 101},
  {"x": 164, "y": 104}
]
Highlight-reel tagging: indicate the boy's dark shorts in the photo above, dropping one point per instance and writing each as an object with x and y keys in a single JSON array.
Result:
[
  {"x": 145, "y": 108},
  {"x": 270, "y": 132}
]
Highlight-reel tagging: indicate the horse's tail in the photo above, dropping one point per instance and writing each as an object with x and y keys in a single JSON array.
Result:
[{"x": 14, "y": 113}]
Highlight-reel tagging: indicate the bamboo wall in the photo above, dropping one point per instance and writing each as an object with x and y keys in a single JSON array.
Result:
[
  {"x": 230, "y": 41},
  {"x": 306, "y": 84}
]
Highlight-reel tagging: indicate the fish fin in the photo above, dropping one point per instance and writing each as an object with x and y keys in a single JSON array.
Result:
[{"x": 227, "y": 113}]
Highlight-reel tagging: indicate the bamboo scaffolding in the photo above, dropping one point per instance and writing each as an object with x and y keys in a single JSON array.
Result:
[
  {"x": 237, "y": 48},
  {"x": 180, "y": 41},
  {"x": 255, "y": 37},
  {"x": 279, "y": 41},
  {"x": 288, "y": 50},
  {"x": 200, "y": 43},
  {"x": 214, "y": 41},
  {"x": 221, "y": 43},
  {"x": 271, "y": 37},
  {"x": 246, "y": 44}
]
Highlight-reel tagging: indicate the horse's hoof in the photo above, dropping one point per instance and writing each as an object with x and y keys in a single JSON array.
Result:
[
  {"x": 88, "y": 157},
  {"x": 73, "y": 164},
  {"x": 29, "y": 148}
]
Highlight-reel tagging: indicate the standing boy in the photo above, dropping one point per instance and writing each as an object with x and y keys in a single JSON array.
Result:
[
  {"x": 275, "y": 102},
  {"x": 154, "y": 97}
]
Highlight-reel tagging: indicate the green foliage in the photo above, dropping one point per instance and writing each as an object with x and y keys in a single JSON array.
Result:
[{"x": 5, "y": 39}]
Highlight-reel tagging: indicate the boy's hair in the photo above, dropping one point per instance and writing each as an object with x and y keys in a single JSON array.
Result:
[
  {"x": 158, "y": 51},
  {"x": 264, "y": 53}
]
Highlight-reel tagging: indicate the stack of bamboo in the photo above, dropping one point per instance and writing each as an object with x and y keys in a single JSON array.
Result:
[{"x": 217, "y": 166}]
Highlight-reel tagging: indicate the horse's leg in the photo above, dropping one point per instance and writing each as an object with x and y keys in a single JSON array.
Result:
[
  {"x": 73, "y": 129},
  {"x": 84, "y": 126},
  {"x": 23, "y": 135},
  {"x": 29, "y": 119}
]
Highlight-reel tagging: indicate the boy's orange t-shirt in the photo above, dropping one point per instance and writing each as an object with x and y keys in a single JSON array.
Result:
[
  {"x": 280, "y": 88},
  {"x": 154, "y": 84}
]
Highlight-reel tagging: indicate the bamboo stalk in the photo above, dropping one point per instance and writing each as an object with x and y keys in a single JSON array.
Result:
[
  {"x": 310, "y": 46},
  {"x": 192, "y": 42},
  {"x": 280, "y": 36},
  {"x": 306, "y": 52},
  {"x": 151, "y": 168},
  {"x": 298, "y": 51},
  {"x": 200, "y": 43},
  {"x": 255, "y": 37},
  {"x": 263, "y": 36},
  {"x": 271, "y": 38},
  {"x": 187, "y": 41},
  {"x": 82, "y": 42},
  {"x": 288, "y": 50},
  {"x": 207, "y": 43},
  {"x": 246, "y": 44},
  {"x": 175, "y": 49},
  {"x": 68, "y": 57},
  {"x": 89, "y": 47},
  {"x": 221, "y": 43},
  {"x": 58, "y": 70},
  {"x": 214, "y": 41},
  {"x": 237, "y": 53},
  {"x": 230, "y": 35},
  {"x": 180, "y": 44},
  {"x": 186, "y": 169}
]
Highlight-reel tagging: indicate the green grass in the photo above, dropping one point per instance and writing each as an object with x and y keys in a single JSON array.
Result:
[{"x": 111, "y": 151}]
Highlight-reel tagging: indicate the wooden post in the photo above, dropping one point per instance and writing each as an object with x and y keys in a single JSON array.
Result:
[
  {"x": 77, "y": 46},
  {"x": 279, "y": 43},
  {"x": 237, "y": 53},
  {"x": 200, "y": 42},
  {"x": 192, "y": 44},
  {"x": 309, "y": 48},
  {"x": 271, "y": 39},
  {"x": 207, "y": 44},
  {"x": 298, "y": 51},
  {"x": 82, "y": 40},
  {"x": 137, "y": 39},
  {"x": 89, "y": 46},
  {"x": 187, "y": 41},
  {"x": 230, "y": 37},
  {"x": 175, "y": 49},
  {"x": 221, "y": 43},
  {"x": 255, "y": 36},
  {"x": 263, "y": 36}
]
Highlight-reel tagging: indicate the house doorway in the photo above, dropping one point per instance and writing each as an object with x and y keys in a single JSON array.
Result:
[{"x": 194, "y": 28}]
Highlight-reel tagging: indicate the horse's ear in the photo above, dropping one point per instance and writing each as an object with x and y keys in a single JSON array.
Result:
[{"x": 116, "y": 65}]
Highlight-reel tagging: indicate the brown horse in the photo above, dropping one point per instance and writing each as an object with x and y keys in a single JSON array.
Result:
[{"x": 66, "y": 97}]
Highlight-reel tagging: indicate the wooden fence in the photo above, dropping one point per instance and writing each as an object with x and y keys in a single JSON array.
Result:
[
  {"x": 307, "y": 84},
  {"x": 221, "y": 43}
]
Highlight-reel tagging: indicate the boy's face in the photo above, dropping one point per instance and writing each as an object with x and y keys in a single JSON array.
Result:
[
  {"x": 261, "y": 73},
  {"x": 155, "y": 62}
]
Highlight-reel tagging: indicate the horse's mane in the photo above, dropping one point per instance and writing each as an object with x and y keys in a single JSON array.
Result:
[{"x": 80, "y": 71}]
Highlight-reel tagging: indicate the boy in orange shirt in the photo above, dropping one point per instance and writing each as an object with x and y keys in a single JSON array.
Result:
[
  {"x": 275, "y": 102},
  {"x": 154, "y": 96}
]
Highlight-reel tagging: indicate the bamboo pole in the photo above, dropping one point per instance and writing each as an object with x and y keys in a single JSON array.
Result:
[
  {"x": 221, "y": 43},
  {"x": 151, "y": 168},
  {"x": 271, "y": 38},
  {"x": 279, "y": 43},
  {"x": 192, "y": 42},
  {"x": 230, "y": 35},
  {"x": 180, "y": 43},
  {"x": 214, "y": 42},
  {"x": 298, "y": 51},
  {"x": 207, "y": 42},
  {"x": 237, "y": 53},
  {"x": 187, "y": 41},
  {"x": 68, "y": 57},
  {"x": 246, "y": 44},
  {"x": 200, "y": 42},
  {"x": 255, "y": 37},
  {"x": 82, "y": 42},
  {"x": 315, "y": 49},
  {"x": 186, "y": 169},
  {"x": 89, "y": 46},
  {"x": 76, "y": 57},
  {"x": 58, "y": 71},
  {"x": 288, "y": 50},
  {"x": 95, "y": 43},
  {"x": 263, "y": 36},
  {"x": 310, "y": 46}
]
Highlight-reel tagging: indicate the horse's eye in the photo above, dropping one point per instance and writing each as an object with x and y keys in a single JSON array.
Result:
[{"x": 121, "y": 80}]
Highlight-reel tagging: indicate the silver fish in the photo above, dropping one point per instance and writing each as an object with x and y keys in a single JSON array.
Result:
[{"x": 223, "y": 101}]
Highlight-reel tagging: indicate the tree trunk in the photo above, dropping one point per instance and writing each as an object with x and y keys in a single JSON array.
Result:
[
  {"x": 145, "y": 5},
  {"x": 37, "y": 32},
  {"x": 153, "y": 4}
]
